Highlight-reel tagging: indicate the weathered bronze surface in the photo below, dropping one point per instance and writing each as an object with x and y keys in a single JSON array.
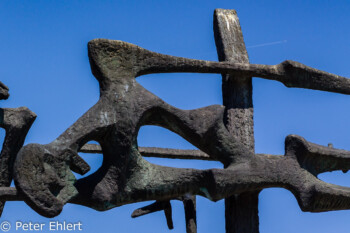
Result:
[{"x": 43, "y": 173}]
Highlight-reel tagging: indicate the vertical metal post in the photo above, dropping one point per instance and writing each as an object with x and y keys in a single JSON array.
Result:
[
  {"x": 189, "y": 202},
  {"x": 241, "y": 211}
]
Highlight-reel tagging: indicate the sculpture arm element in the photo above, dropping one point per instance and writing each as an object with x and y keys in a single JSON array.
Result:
[
  {"x": 314, "y": 195},
  {"x": 154, "y": 207},
  {"x": 262, "y": 171},
  {"x": 189, "y": 203},
  {"x": 47, "y": 193},
  {"x": 16, "y": 122},
  {"x": 306, "y": 158},
  {"x": 4, "y": 91},
  {"x": 112, "y": 60},
  {"x": 315, "y": 158}
]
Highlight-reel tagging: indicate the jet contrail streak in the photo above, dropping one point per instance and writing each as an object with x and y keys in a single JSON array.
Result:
[{"x": 267, "y": 44}]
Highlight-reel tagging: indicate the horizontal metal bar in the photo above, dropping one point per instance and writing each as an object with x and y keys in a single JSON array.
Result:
[{"x": 156, "y": 152}]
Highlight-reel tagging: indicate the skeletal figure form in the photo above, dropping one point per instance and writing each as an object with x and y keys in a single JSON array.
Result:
[
  {"x": 43, "y": 173},
  {"x": 44, "y": 179}
]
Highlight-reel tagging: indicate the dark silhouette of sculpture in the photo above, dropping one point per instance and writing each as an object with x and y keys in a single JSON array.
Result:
[{"x": 42, "y": 173}]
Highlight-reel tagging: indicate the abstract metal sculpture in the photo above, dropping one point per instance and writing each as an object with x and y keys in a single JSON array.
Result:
[{"x": 42, "y": 173}]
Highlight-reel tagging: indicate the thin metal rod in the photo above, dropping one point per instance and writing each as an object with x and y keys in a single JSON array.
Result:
[{"x": 156, "y": 152}]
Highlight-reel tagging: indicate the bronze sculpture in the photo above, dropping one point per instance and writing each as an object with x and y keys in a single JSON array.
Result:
[{"x": 224, "y": 133}]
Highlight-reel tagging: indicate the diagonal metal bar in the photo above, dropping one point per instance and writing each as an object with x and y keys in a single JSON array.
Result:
[{"x": 155, "y": 207}]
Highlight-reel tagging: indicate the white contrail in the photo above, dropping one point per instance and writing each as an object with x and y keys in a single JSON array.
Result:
[{"x": 267, "y": 44}]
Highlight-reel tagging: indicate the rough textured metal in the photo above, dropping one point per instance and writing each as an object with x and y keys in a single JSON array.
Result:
[
  {"x": 155, "y": 207},
  {"x": 4, "y": 91},
  {"x": 16, "y": 122},
  {"x": 189, "y": 202},
  {"x": 237, "y": 90},
  {"x": 155, "y": 152},
  {"x": 241, "y": 210},
  {"x": 43, "y": 173},
  {"x": 125, "y": 106}
]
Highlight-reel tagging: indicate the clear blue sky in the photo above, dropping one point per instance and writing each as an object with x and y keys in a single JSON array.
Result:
[{"x": 43, "y": 48}]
